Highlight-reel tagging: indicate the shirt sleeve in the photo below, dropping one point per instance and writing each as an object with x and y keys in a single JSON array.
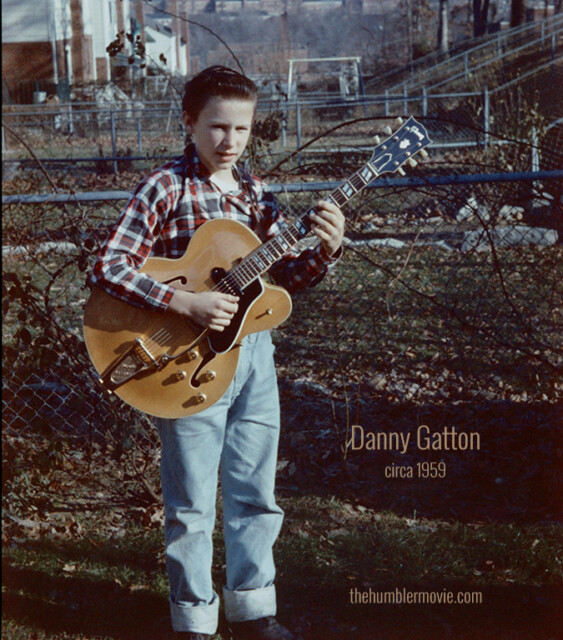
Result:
[
  {"x": 116, "y": 269},
  {"x": 294, "y": 271}
]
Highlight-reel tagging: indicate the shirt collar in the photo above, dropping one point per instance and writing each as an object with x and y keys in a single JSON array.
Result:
[{"x": 196, "y": 168}]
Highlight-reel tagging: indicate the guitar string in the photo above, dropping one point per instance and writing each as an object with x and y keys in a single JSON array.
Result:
[
  {"x": 233, "y": 283},
  {"x": 168, "y": 333}
]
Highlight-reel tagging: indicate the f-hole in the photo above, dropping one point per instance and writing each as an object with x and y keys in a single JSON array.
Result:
[
  {"x": 181, "y": 280},
  {"x": 204, "y": 362}
]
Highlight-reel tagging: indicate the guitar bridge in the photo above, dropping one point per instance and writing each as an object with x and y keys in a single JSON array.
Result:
[{"x": 134, "y": 361}]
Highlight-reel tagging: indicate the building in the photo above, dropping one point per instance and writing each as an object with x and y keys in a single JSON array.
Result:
[
  {"x": 165, "y": 38},
  {"x": 47, "y": 45}
]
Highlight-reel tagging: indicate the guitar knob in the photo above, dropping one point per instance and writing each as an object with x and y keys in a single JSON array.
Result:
[
  {"x": 269, "y": 312},
  {"x": 192, "y": 355},
  {"x": 376, "y": 139},
  {"x": 399, "y": 121},
  {"x": 209, "y": 375},
  {"x": 424, "y": 153},
  {"x": 387, "y": 130},
  {"x": 200, "y": 398},
  {"x": 412, "y": 162},
  {"x": 401, "y": 171},
  {"x": 181, "y": 375}
]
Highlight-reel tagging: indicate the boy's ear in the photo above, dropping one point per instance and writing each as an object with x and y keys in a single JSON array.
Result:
[{"x": 187, "y": 121}]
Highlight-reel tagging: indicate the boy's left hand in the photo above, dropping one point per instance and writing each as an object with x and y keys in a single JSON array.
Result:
[{"x": 328, "y": 225}]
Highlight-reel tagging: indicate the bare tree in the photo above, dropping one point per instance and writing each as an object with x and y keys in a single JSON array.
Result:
[
  {"x": 443, "y": 44},
  {"x": 480, "y": 17},
  {"x": 410, "y": 29},
  {"x": 517, "y": 12}
]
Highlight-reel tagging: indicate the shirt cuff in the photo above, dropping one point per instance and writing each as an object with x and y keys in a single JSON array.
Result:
[
  {"x": 159, "y": 296},
  {"x": 330, "y": 259}
]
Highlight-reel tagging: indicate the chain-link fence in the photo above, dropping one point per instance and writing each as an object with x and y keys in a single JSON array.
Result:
[{"x": 448, "y": 293}]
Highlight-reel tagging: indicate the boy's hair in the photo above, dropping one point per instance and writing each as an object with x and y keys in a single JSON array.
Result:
[{"x": 216, "y": 82}]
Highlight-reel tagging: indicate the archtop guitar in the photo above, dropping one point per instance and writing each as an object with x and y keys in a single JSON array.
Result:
[{"x": 166, "y": 365}]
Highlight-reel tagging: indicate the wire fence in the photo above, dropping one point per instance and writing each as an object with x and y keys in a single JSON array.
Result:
[
  {"x": 125, "y": 135},
  {"x": 448, "y": 292}
]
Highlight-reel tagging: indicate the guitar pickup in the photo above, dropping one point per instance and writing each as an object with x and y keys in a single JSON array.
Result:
[{"x": 135, "y": 360}]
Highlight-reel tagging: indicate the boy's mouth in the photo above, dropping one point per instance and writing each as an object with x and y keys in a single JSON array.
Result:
[{"x": 226, "y": 157}]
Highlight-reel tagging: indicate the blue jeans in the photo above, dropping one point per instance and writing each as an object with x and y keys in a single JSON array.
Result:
[{"x": 238, "y": 435}]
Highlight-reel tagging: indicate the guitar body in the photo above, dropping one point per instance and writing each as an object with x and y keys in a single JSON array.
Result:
[{"x": 163, "y": 364}]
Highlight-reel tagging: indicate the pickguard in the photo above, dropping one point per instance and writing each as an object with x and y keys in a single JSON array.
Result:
[{"x": 223, "y": 341}]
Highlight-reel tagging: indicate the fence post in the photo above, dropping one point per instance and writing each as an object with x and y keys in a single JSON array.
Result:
[
  {"x": 542, "y": 34},
  {"x": 424, "y": 102},
  {"x": 284, "y": 125},
  {"x": 386, "y": 102},
  {"x": 535, "y": 150},
  {"x": 405, "y": 101},
  {"x": 466, "y": 65},
  {"x": 113, "y": 141},
  {"x": 139, "y": 135},
  {"x": 486, "y": 116},
  {"x": 70, "y": 123},
  {"x": 298, "y": 124}
]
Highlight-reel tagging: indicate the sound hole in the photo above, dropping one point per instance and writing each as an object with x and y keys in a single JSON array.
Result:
[
  {"x": 205, "y": 360},
  {"x": 179, "y": 279}
]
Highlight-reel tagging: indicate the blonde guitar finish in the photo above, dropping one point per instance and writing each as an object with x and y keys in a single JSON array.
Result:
[{"x": 198, "y": 376}]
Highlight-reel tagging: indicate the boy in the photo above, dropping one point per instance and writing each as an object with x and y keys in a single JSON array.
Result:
[{"x": 239, "y": 433}]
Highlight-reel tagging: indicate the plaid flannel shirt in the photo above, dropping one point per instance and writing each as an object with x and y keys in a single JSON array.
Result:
[{"x": 163, "y": 214}]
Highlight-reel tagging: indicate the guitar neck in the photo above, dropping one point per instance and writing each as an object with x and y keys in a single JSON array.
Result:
[
  {"x": 262, "y": 258},
  {"x": 387, "y": 158}
]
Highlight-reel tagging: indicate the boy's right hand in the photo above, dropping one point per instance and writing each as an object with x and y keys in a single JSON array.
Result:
[{"x": 210, "y": 309}]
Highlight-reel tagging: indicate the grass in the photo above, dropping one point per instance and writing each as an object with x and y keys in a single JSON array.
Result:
[
  {"x": 113, "y": 586},
  {"x": 427, "y": 317}
]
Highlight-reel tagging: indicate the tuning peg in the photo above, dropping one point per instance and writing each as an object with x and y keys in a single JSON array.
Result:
[
  {"x": 376, "y": 139},
  {"x": 412, "y": 162},
  {"x": 387, "y": 130},
  {"x": 399, "y": 121},
  {"x": 401, "y": 171},
  {"x": 424, "y": 153}
]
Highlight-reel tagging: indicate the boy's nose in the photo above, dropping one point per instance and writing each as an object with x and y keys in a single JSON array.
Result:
[{"x": 229, "y": 139}]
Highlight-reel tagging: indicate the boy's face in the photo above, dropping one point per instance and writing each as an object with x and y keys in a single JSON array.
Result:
[{"x": 221, "y": 132}]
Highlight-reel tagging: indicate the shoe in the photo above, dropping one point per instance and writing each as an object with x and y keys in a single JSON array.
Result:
[{"x": 262, "y": 629}]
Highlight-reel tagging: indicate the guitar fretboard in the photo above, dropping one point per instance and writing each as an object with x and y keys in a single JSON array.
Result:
[
  {"x": 262, "y": 258},
  {"x": 388, "y": 157}
]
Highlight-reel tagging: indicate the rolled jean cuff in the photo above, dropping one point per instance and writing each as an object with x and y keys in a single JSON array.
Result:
[
  {"x": 203, "y": 618},
  {"x": 249, "y": 604}
]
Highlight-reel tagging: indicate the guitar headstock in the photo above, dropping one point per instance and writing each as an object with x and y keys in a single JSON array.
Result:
[{"x": 399, "y": 147}]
